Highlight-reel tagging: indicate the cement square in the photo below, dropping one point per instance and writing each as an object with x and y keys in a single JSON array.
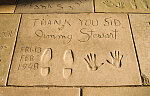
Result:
[
  {"x": 9, "y": 24},
  {"x": 140, "y": 26},
  {"x": 54, "y": 6},
  {"x": 117, "y": 91},
  {"x": 137, "y": 6},
  {"x": 74, "y": 50},
  {"x": 39, "y": 91},
  {"x": 7, "y": 8}
]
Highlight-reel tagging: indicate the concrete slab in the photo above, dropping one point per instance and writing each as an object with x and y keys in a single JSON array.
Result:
[
  {"x": 141, "y": 25},
  {"x": 39, "y": 91},
  {"x": 117, "y": 91},
  {"x": 137, "y": 6},
  {"x": 54, "y": 6},
  {"x": 9, "y": 24},
  {"x": 7, "y": 8},
  {"x": 74, "y": 50}
]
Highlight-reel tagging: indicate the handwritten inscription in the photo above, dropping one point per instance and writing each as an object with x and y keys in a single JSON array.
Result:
[
  {"x": 86, "y": 33},
  {"x": 27, "y": 58},
  {"x": 40, "y": 34},
  {"x": 109, "y": 21},
  {"x": 7, "y": 34},
  {"x": 49, "y": 22},
  {"x": 89, "y": 22},
  {"x": 3, "y": 47},
  {"x": 28, "y": 66},
  {"x": 112, "y": 22},
  {"x": 55, "y": 6},
  {"x": 91, "y": 34},
  {"x": 27, "y": 62},
  {"x": 29, "y": 49},
  {"x": 121, "y": 4},
  {"x": 89, "y": 29}
]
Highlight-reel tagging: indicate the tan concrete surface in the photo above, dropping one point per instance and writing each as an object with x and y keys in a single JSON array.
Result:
[
  {"x": 141, "y": 25},
  {"x": 136, "y": 6},
  {"x": 9, "y": 24},
  {"x": 39, "y": 91},
  {"x": 74, "y": 50},
  {"x": 117, "y": 91},
  {"x": 54, "y": 6}
]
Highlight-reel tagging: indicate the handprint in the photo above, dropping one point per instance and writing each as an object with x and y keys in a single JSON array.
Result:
[
  {"x": 133, "y": 4},
  {"x": 144, "y": 3},
  {"x": 108, "y": 3},
  {"x": 91, "y": 61},
  {"x": 116, "y": 59},
  {"x": 121, "y": 4}
]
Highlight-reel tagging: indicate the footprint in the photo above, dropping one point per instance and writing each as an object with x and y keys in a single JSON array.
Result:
[
  {"x": 68, "y": 57},
  {"x": 68, "y": 60},
  {"x": 67, "y": 72},
  {"x": 46, "y": 56},
  {"x": 45, "y": 71},
  {"x": 45, "y": 59}
]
